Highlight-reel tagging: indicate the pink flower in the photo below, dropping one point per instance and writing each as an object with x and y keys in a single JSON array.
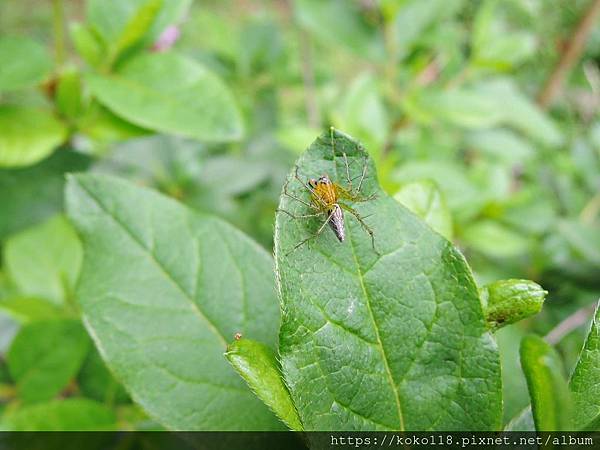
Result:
[{"x": 166, "y": 39}]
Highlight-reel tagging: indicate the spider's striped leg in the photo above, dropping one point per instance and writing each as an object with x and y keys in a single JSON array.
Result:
[
  {"x": 366, "y": 227},
  {"x": 312, "y": 236},
  {"x": 299, "y": 216},
  {"x": 292, "y": 196},
  {"x": 315, "y": 196}
]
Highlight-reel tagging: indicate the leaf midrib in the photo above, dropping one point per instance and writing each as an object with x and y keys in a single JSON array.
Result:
[
  {"x": 372, "y": 316},
  {"x": 152, "y": 257},
  {"x": 379, "y": 342}
]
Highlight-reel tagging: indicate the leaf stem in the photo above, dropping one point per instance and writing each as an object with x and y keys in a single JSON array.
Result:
[
  {"x": 575, "y": 320},
  {"x": 570, "y": 55},
  {"x": 58, "y": 22}
]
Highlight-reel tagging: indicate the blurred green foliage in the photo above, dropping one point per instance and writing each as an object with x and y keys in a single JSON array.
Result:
[{"x": 211, "y": 101}]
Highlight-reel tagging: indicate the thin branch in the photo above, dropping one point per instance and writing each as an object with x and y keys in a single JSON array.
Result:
[
  {"x": 570, "y": 55},
  {"x": 58, "y": 19},
  {"x": 575, "y": 320},
  {"x": 308, "y": 75}
]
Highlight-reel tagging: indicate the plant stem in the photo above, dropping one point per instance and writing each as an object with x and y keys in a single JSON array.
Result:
[
  {"x": 58, "y": 22},
  {"x": 308, "y": 75},
  {"x": 570, "y": 55},
  {"x": 575, "y": 320}
]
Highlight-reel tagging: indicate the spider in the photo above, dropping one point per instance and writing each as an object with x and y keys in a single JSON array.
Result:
[{"x": 328, "y": 200}]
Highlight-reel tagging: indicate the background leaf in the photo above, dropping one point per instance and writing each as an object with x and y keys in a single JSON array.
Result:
[
  {"x": 170, "y": 93},
  {"x": 425, "y": 200},
  {"x": 396, "y": 341},
  {"x": 162, "y": 290},
  {"x": 339, "y": 22},
  {"x": 584, "y": 380},
  {"x": 44, "y": 261},
  {"x": 96, "y": 381},
  {"x": 25, "y": 63},
  {"x": 28, "y": 135},
  {"x": 30, "y": 195},
  {"x": 550, "y": 401},
  {"x": 45, "y": 356},
  {"x": 73, "y": 414}
]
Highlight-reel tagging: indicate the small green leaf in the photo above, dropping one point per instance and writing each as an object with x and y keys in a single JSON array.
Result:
[
  {"x": 111, "y": 18},
  {"x": 27, "y": 309},
  {"x": 101, "y": 125},
  {"x": 414, "y": 17},
  {"x": 257, "y": 365},
  {"x": 476, "y": 107},
  {"x": 362, "y": 111},
  {"x": 495, "y": 239},
  {"x": 584, "y": 385},
  {"x": 135, "y": 29},
  {"x": 24, "y": 63},
  {"x": 502, "y": 145},
  {"x": 32, "y": 194},
  {"x": 28, "y": 135},
  {"x": 44, "y": 261},
  {"x": 520, "y": 112},
  {"x": 173, "y": 94},
  {"x": 87, "y": 43},
  {"x": 494, "y": 44},
  {"x": 461, "y": 107},
  {"x": 508, "y": 301},
  {"x": 388, "y": 341},
  {"x": 550, "y": 401},
  {"x": 68, "y": 97},
  {"x": 45, "y": 356},
  {"x": 72, "y": 414},
  {"x": 425, "y": 200},
  {"x": 162, "y": 290},
  {"x": 340, "y": 23}
]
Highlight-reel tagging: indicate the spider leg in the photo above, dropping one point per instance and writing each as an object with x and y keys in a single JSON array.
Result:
[
  {"x": 362, "y": 177},
  {"x": 292, "y": 196},
  {"x": 366, "y": 227},
  {"x": 348, "y": 178},
  {"x": 299, "y": 216},
  {"x": 312, "y": 236},
  {"x": 307, "y": 186}
]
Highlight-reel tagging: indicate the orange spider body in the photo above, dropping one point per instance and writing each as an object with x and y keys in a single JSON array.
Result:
[{"x": 325, "y": 195}]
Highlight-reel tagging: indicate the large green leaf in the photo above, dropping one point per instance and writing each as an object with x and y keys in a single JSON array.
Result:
[
  {"x": 162, "y": 290},
  {"x": 45, "y": 356},
  {"x": 31, "y": 194},
  {"x": 28, "y": 135},
  {"x": 388, "y": 341},
  {"x": 170, "y": 93},
  {"x": 24, "y": 63},
  {"x": 44, "y": 260},
  {"x": 550, "y": 402},
  {"x": 584, "y": 380},
  {"x": 73, "y": 414}
]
